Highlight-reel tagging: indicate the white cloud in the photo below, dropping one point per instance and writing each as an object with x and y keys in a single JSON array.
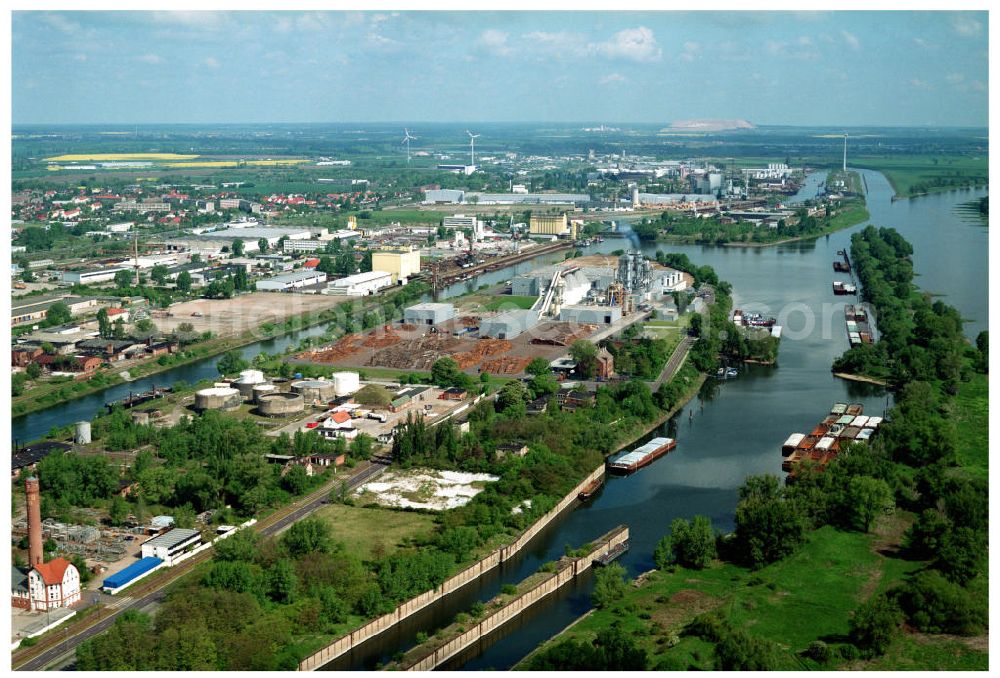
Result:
[
  {"x": 60, "y": 22},
  {"x": 851, "y": 40},
  {"x": 955, "y": 78},
  {"x": 212, "y": 62},
  {"x": 633, "y": 44},
  {"x": 379, "y": 41},
  {"x": 977, "y": 86},
  {"x": 559, "y": 44},
  {"x": 190, "y": 19},
  {"x": 804, "y": 41},
  {"x": 800, "y": 50},
  {"x": 917, "y": 83},
  {"x": 920, "y": 42},
  {"x": 691, "y": 51},
  {"x": 494, "y": 42},
  {"x": 612, "y": 78},
  {"x": 80, "y": 57},
  {"x": 150, "y": 59},
  {"x": 967, "y": 26}
]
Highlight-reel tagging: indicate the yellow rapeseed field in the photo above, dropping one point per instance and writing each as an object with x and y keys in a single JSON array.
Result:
[{"x": 121, "y": 156}]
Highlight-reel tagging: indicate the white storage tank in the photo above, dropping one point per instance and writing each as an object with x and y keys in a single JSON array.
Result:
[
  {"x": 263, "y": 389},
  {"x": 346, "y": 383},
  {"x": 248, "y": 379},
  {"x": 82, "y": 435},
  {"x": 314, "y": 389},
  {"x": 217, "y": 398}
]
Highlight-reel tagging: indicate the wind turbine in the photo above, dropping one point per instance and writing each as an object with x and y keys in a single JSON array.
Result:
[
  {"x": 406, "y": 140},
  {"x": 472, "y": 144}
]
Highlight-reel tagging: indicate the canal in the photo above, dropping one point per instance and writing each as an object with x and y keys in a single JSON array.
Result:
[
  {"x": 35, "y": 425},
  {"x": 732, "y": 428}
]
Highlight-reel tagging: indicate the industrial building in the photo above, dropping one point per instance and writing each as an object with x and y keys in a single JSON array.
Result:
[
  {"x": 130, "y": 574},
  {"x": 529, "y": 198},
  {"x": 460, "y": 221},
  {"x": 551, "y": 225},
  {"x": 400, "y": 263},
  {"x": 289, "y": 281},
  {"x": 294, "y": 246},
  {"x": 591, "y": 314},
  {"x": 91, "y": 276},
  {"x": 213, "y": 241},
  {"x": 429, "y": 313},
  {"x": 446, "y": 196},
  {"x": 171, "y": 544},
  {"x": 360, "y": 284},
  {"x": 508, "y": 325},
  {"x": 32, "y": 309}
]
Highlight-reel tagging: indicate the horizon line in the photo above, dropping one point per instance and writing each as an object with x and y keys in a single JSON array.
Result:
[{"x": 508, "y": 122}]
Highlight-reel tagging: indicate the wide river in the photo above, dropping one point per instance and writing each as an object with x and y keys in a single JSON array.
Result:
[{"x": 733, "y": 428}]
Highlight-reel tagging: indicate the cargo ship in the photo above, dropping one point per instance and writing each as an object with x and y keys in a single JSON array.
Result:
[
  {"x": 591, "y": 489},
  {"x": 844, "y": 424},
  {"x": 843, "y": 288},
  {"x": 642, "y": 456},
  {"x": 135, "y": 399}
]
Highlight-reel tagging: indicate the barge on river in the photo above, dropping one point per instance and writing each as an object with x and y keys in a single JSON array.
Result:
[
  {"x": 591, "y": 489},
  {"x": 842, "y": 288},
  {"x": 844, "y": 424},
  {"x": 844, "y": 265},
  {"x": 641, "y": 456},
  {"x": 135, "y": 399}
]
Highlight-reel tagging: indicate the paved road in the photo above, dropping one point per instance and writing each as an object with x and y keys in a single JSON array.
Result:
[{"x": 308, "y": 505}]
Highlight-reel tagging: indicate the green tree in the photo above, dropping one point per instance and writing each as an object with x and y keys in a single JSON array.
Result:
[
  {"x": 184, "y": 281},
  {"x": 874, "y": 624},
  {"x": 691, "y": 545},
  {"x": 124, "y": 279},
  {"x": 231, "y": 362},
  {"x": 118, "y": 330},
  {"x": 104, "y": 329},
  {"x": 512, "y": 399},
  {"x": 33, "y": 370},
  {"x": 58, "y": 314},
  {"x": 160, "y": 274},
  {"x": 282, "y": 582},
  {"x": 869, "y": 498},
  {"x": 537, "y": 366},
  {"x": 609, "y": 586},
  {"x": 262, "y": 245},
  {"x": 117, "y": 511},
  {"x": 584, "y": 354},
  {"x": 307, "y": 536},
  {"x": 768, "y": 526},
  {"x": 237, "y": 248}
]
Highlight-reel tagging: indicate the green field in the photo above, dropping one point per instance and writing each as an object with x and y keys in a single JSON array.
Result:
[
  {"x": 915, "y": 175},
  {"x": 366, "y": 530},
  {"x": 971, "y": 416},
  {"x": 808, "y": 596}
]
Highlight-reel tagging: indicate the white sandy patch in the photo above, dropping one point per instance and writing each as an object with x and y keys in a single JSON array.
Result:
[{"x": 426, "y": 489}]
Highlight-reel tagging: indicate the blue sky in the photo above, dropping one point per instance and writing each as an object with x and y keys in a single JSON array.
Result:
[{"x": 795, "y": 68}]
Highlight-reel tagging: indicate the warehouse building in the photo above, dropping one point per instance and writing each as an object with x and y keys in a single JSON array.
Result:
[
  {"x": 429, "y": 313},
  {"x": 400, "y": 263},
  {"x": 34, "y": 309},
  {"x": 130, "y": 574},
  {"x": 508, "y": 325},
  {"x": 290, "y": 281},
  {"x": 212, "y": 243},
  {"x": 551, "y": 225},
  {"x": 91, "y": 276},
  {"x": 446, "y": 196},
  {"x": 171, "y": 544},
  {"x": 594, "y": 315},
  {"x": 359, "y": 285},
  {"x": 460, "y": 221},
  {"x": 530, "y": 198}
]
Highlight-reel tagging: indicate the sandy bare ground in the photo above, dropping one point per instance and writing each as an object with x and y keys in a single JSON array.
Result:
[
  {"x": 228, "y": 317},
  {"x": 426, "y": 489}
]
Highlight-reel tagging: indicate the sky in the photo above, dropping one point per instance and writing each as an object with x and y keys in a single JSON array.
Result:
[{"x": 770, "y": 68}]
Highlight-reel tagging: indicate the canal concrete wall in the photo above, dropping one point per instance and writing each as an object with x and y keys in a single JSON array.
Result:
[
  {"x": 376, "y": 626},
  {"x": 563, "y": 576}
]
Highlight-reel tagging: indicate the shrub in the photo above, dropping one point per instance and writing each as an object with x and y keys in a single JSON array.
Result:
[
  {"x": 935, "y": 605},
  {"x": 874, "y": 624}
]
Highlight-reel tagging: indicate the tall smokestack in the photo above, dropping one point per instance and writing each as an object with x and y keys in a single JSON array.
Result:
[{"x": 35, "y": 552}]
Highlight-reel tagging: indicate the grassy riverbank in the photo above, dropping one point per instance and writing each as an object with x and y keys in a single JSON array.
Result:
[
  {"x": 922, "y": 174},
  {"x": 806, "y": 597}
]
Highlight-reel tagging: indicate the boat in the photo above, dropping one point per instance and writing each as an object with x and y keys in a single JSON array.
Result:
[
  {"x": 642, "y": 456},
  {"x": 135, "y": 399},
  {"x": 731, "y": 372},
  {"x": 843, "y": 288},
  {"x": 611, "y": 555},
  {"x": 720, "y": 373},
  {"x": 591, "y": 489}
]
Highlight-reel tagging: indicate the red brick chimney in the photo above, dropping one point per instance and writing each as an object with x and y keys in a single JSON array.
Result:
[{"x": 35, "y": 552}]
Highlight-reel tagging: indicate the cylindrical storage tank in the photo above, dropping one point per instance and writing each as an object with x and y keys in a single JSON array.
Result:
[
  {"x": 314, "y": 389},
  {"x": 346, "y": 383},
  {"x": 280, "y": 404},
  {"x": 262, "y": 390},
  {"x": 217, "y": 398},
  {"x": 82, "y": 434},
  {"x": 248, "y": 379}
]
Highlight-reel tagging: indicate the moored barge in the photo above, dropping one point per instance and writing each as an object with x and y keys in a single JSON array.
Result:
[
  {"x": 842, "y": 288},
  {"x": 591, "y": 489},
  {"x": 642, "y": 456}
]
